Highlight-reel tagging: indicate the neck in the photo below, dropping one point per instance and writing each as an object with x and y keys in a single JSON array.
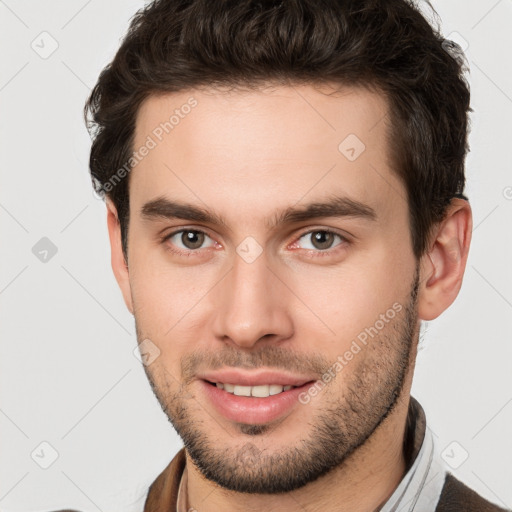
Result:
[{"x": 364, "y": 482}]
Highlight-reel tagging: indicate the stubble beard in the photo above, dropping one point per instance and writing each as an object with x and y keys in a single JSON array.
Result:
[{"x": 336, "y": 430}]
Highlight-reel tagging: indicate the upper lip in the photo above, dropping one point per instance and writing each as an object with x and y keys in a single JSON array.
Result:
[{"x": 255, "y": 378}]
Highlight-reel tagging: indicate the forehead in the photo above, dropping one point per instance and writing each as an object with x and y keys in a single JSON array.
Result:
[{"x": 264, "y": 148}]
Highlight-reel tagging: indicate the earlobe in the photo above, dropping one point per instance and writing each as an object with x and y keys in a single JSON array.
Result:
[
  {"x": 443, "y": 266},
  {"x": 119, "y": 264}
]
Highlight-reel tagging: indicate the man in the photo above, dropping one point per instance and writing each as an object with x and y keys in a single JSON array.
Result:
[{"x": 284, "y": 183}]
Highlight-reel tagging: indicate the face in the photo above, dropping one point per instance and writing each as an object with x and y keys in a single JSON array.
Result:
[{"x": 269, "y": 246}]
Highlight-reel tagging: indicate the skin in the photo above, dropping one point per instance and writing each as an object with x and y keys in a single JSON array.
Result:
[{"x": 247, "y": 156}]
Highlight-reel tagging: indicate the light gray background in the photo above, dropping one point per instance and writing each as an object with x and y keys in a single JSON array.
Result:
[{"x": 68, "y": 373}]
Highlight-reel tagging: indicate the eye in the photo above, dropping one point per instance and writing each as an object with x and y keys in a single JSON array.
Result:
[
  {"x": 189, "y": 240},
  {"x": 320, "y": 239}
]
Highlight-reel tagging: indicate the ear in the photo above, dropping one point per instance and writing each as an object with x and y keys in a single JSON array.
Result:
[
  {"x": 443, "y": 265},
  {"x": 119, "y": 264}
]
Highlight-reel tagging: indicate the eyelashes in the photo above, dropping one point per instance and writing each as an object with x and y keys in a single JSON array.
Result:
[{"x": 191, "y": 242}]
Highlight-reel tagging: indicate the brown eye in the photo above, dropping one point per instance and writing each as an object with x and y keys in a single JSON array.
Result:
[
  {"x": 321, "y": 239},
  {"x": 186, "y": 240},
  {"x": 192, "y": 239}
]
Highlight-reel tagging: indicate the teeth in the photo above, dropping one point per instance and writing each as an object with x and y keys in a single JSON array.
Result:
[
  {"x": 261, "y": 391},
  {"x": 258, "y": 391},
  {"x": 242, "y": 390}
]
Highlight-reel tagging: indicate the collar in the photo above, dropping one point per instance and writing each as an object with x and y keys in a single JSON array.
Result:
[{"x": 420, "y": 489}]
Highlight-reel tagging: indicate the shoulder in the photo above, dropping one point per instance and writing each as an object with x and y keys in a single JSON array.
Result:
[{"x": 457, "y": 496}]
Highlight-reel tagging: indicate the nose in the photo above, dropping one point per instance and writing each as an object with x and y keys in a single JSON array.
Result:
[{"x": 252, "y": 304}]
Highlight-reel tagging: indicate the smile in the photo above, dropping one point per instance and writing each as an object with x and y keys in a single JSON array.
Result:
[{"x": 261, "y": 391}]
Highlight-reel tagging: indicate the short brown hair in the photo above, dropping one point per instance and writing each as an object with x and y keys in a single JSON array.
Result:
[{"x": 384, "y": 45}]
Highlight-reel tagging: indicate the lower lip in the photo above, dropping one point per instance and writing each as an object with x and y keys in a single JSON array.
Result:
[{"x": 253, "y": 410}]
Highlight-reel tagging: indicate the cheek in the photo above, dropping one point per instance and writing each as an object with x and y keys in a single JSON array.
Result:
[
  {"x": 341, "y": 302},
  {"x": 167, "y": 299}
]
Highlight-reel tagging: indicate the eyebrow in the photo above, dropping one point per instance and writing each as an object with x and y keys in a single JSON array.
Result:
[{"x": 163, "y": 208}]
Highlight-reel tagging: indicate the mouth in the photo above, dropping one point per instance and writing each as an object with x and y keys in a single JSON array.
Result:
[{"x": 255, "y": 405}]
